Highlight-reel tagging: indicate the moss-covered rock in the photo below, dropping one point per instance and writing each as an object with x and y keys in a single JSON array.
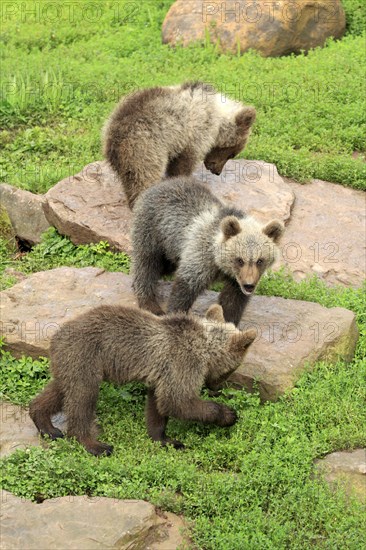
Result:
[{"x": 7, "y": 232}]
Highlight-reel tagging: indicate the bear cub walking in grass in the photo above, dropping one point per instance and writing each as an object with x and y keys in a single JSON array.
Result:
[
  {"x": 161, "y": 132},
  {"x": 173, "y": 355},
  {"x": 180, "y": 225}
]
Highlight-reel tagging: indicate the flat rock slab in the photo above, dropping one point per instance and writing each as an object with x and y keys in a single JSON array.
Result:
[
  {"x": 25, "y": 212},
  {"x": 347, "y": 467},
  {"x": 326, "y": 233},
  {"x": 291, "y": 334},
  {"x": 252, "y": 185},
  {"x": 85, "y": 523},
  {"x": 92, "y": 206},
  {"x": 17, "y": 430}
]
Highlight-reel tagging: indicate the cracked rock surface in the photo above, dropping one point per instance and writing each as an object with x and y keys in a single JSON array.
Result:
[
  {"x": 325, "y": 222},
  {"x": 290, "y": 333},
  {"x": 86, "y": 523},
  {"x": 91, "y": 206}
]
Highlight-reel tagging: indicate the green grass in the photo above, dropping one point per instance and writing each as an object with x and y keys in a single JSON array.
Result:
[
  {"x": 62, "y": 78},
  {"x": 247, "y": 487},
  {"x": 55, "y": 251},
  {"x": 250, "y": 486}
]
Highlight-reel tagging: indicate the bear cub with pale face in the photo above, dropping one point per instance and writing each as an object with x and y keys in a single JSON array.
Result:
[
  {"x": 174, "y": 356},
  {"x": 165, "y": 131},
  {"x": 179, "y": 225}
]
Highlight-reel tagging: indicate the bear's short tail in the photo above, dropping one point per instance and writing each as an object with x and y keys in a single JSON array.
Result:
[{"x": 111, "y": 145}]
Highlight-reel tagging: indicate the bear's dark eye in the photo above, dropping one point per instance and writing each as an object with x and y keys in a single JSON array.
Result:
[
  {"x": 231, "y": 156},
  {"x": 240, "y": 262},
  {"x": 260, "y": 261}
]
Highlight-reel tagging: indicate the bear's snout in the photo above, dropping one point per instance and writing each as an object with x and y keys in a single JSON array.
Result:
[
  {"x": 248, "y": 278},
  {"x": 213, "y": 168}
]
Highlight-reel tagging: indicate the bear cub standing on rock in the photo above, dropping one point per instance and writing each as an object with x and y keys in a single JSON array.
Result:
[
  {"x": 161, "y": 132},
  {"x": 179, "y": 224},
  {"x": 173, "y": 355}
]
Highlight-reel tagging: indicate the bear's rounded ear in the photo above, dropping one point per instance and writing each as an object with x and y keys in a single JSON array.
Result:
[
  {"x": 245, "y": 118},
  {"x": 274, "y": 230},
  {"x": 239, "y": 343},
  {"x": 230, "y": 226},
  {"x": 215, "y": 313}
]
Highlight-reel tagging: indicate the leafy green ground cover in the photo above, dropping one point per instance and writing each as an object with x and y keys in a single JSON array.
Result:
[
  {"x": 250, "y": 486},
  {"x": 65, "y": 67},
  {"x": 247, "y": 487}
]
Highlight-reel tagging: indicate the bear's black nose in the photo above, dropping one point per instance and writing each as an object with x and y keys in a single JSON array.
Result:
[{"x": 249, "y": 288}]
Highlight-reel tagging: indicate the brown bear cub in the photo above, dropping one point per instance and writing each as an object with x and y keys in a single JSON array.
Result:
[
  {"x": 180, "y": 225},
  {"x": 166, "y": 131},
  {"x": 173, "y": 355}
]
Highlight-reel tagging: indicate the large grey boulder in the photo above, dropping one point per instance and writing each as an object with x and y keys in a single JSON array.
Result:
[
  {"x": 25, "y": 212},
  {"x": 271, "y": 28},
  {"x": 292, "y": 335}
]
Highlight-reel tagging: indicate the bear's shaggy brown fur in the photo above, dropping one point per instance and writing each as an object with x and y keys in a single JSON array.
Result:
[
  {"x": 166, "y": 131},
  {"x": 173, "y": 355},
  {"x": 179, "y": 224}
]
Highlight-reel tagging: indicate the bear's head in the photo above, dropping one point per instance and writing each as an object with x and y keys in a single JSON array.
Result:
[
  {"x": 233, "y": 134},
  {"x": 228, "y": 346},
  {"x": 244, "y": 249}
]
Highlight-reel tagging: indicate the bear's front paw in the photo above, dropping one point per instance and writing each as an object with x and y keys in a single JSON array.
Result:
[
  {"x": 176, "y": 444},
  {"x": 227, "y": 417},
  {"x": 55, "y": 433},
  {"x": 98, "y": 448}
]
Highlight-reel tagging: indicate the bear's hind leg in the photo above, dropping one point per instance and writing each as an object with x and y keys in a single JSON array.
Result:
[
  {"x": 147, "y": 270},
  {"x": 80, "y": 405},
  {"x": 44, "y": 406}
]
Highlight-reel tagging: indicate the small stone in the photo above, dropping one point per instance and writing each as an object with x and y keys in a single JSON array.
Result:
[
  {"x": 347, "y": 467},
  {"x": 292, "y": 334},
  {"x": 18, "y": 431},
  {"x": 25, "y": 212},
  {"x": 271, "y": 28}
]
